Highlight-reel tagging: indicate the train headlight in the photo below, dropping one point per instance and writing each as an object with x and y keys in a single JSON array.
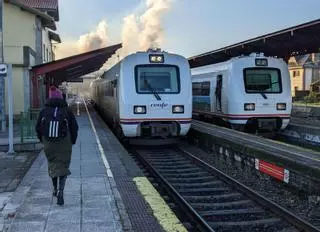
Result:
[
  {"x": 281, "y": 106},
  {"x": 156, "y": 58},
  {"x": 178, "y": 109},
  {"x": 261, "y": 62},
  {"x": 249, "y": 106},
  {"x": 139, "y": 109}
]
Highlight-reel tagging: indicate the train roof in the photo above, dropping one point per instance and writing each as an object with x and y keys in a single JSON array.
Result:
[{"x": 224, "y": 65}]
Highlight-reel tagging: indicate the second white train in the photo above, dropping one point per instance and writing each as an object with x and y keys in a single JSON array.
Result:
[{"x": 248, "y": 93}]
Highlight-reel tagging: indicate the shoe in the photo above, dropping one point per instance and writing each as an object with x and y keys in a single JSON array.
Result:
[
  {"x": 60, "y": 200},
  {"x": 54, "y": 193}
]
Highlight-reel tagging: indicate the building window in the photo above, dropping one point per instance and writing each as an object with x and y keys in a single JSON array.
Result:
[
  {"x": 44, "y": 53},
  {"x": 296, "y": 73},
  {"x": 47, "y": 54}
]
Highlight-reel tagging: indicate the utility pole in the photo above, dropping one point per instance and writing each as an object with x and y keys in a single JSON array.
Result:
[{"x": 2, "y": 81}]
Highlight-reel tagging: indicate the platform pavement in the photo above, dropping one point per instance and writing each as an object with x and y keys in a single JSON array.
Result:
[{"x": 92, "y": 202}]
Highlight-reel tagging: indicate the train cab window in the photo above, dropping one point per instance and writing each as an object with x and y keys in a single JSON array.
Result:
[
  {"x": 266, "y": 80},
  {"x": 163, "y": 79}
]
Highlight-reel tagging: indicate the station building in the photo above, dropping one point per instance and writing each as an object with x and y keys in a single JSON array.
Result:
[{"x": 29, "y": 32}]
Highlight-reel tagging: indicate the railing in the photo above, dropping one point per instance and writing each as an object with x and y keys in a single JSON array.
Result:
[{"x": 27, "y": 124}]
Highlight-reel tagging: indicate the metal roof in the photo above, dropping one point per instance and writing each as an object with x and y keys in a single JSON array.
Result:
[
  {"x": 297, "y": 40},
  {"x": 75, "y": 66}
]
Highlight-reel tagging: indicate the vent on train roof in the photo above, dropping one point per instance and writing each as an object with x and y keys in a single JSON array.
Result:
[
  {"x": 154, "y": 50},
  {"x": 257, "y": 54}
]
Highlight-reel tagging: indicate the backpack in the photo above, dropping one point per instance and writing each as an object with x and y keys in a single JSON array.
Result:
[{"x": 54, "y": 123}]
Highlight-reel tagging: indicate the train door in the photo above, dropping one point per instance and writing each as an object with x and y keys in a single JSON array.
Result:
[{"x": 218, "y": 93}]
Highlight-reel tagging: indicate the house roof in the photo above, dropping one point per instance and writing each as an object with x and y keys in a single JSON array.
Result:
[
  {"x": 298, "y": 40},
  {"x": 50, "y": 6},
  {"x": 47, "y": 20},
  {"x": 54, "y": 36},
  {"x": 41, "y": 4}
]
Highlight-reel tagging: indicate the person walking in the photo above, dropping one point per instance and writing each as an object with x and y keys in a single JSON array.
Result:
[{"x": 57, "y": 129}]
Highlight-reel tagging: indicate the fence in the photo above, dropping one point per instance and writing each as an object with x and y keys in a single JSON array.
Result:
[{"x": 27, "y": 124}]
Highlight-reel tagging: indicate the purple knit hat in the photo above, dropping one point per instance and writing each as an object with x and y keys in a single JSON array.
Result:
[{"x": 55, "y": 93}]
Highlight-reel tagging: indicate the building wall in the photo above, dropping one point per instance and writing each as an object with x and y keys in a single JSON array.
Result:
[
  {"x": 308, "y": 78},
  {"x": 18, "y": 31},
  {"x": 316, "y": 74},
  {"x": 22, "y": 28},
  {"x": 17, "y": 87},
  {"x": 296, "y": 75},
  {"x": 46, "y": 47}
]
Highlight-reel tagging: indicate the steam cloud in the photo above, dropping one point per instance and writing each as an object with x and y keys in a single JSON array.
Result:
[
  {"x": 98, "y": 38},
  {"x": 95, "y": 39},
  {"x": 138, "y": 33},
  {"x": 146, "y": 31}
]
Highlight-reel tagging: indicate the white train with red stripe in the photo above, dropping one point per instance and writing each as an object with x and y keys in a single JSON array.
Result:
[
  {"x": 249, "y": 93},
  {"x": 146, "y": 95}
]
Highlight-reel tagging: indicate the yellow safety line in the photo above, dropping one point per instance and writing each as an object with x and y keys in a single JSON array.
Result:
[{"x": 166, "y": 218}]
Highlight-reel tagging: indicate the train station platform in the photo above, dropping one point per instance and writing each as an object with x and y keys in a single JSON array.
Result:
[{"x": 105, "y": 192}]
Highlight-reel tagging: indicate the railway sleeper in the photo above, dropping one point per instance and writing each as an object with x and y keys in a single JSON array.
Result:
[
  {"x": 215, "y": 199},
  {"x": 223, "y": 205},
  {"x": 237, "y": 213},
  {"x": 204, "y": 191},
  {"x": 269, "y": 224},
  {"x": 165, "y": 159},
  {"x": 169, "y": 167},
  {"x": 183, "y": 185},
  {"x": 186, "y": 179},
  {"x": 185, "y": 170},
  {"x": 168, "y": 163},
  {"x": 185, "y": 175}
]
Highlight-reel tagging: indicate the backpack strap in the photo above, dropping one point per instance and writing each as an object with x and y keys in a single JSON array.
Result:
[{"x": 55, "y": 112}]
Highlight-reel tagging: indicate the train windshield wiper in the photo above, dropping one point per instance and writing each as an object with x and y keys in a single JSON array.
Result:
[
  {"x": 153, "y": 90},
  {"x": 263, "y": 95}
]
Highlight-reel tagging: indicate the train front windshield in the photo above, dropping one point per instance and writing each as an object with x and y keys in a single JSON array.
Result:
[
  {"x": 157, "y": 78},
  {"x": 262, "y": 80}
]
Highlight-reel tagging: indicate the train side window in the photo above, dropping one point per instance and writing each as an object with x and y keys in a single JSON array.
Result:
[
  {"x": 196, "y": 88},
  {"x": 205, "y": 88}
]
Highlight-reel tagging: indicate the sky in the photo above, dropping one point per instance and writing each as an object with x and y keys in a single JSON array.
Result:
[{"x": 185, "y": 27}]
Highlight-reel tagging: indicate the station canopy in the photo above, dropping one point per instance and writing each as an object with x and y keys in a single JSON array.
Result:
[
  {"x": 293, "y": 41},
  {"x": 75, "y": 66}
]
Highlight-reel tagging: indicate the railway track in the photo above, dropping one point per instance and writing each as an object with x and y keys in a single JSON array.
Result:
[{"x": 210, "y": 199}]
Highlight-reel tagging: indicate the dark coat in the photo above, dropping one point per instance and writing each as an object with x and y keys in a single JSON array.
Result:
[{"x": 58, "y": 153}]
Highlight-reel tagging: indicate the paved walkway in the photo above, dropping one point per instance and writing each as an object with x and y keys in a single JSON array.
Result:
[{"x": 90, "y": 194}]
